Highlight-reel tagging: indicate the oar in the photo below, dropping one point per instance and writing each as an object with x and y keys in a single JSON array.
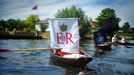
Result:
[
  {"x": 127, "y": 46},
  {"x": 24, "y": 49},
  {"x": 5, "y": 50},
  {"x": 99, "y": 50}
]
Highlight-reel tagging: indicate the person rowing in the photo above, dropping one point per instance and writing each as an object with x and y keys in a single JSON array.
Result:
[
  {"x": 122, "y": 40},
  {"x": 114, "y": 39},
  {"x": 100, "y": 40}
]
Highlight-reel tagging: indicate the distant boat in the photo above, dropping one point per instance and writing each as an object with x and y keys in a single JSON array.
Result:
[
  {"x": 126, "y": 43},
  {"x": 64, "y": 34},
  {"x": 105, "y": 46}
]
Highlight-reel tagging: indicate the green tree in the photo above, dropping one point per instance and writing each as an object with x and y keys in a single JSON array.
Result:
[
  {"x": 74, "y": 12},
  {"x": 30, "y": 21},
  {"x": 13, "y": 24},
  {"x": 23, "y": 26},
  {"x": 3, "y": 25},
  {"x": 43, "y": 27},
  {"x": 108, "y": 20},
  {"x": 126, "y": 26},
  {"x": 132, "y": 29},
  {"x": 20, "y": 24}
]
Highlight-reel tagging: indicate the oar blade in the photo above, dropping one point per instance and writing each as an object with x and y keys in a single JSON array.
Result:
[
  {"x": 5, "y": 50},
  {"x": 24, "y": 49}
]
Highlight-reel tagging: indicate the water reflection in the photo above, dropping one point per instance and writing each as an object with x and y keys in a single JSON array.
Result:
[
  {"x": 69, "y": 70},
  {"x": 118, "y": 61},
  {"x": 26, "y": 62}
]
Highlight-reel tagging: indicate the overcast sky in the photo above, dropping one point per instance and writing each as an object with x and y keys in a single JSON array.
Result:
[{"x": 20, "y": 9}]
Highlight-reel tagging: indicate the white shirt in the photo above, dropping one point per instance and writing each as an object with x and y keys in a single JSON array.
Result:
[
  {"x": 122, "y": 40},
  {"x": 114, "y": 39}
]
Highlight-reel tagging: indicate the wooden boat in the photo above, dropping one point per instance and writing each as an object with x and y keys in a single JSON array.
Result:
[
  {"x": 64, "y": 34},
  {"x": 73, "y": 69},
  {"x": 55, "y": 58},
  {"x": 104, "y": 47},
  {"x": 126, "y": 43}
]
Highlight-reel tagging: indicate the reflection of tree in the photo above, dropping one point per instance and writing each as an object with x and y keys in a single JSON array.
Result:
[
  {"x": 98, "y": 54},
  {"x": 69, "y": 70},
  {"x": 32, "y": 43},
  {"x": 79, "y": 72}
]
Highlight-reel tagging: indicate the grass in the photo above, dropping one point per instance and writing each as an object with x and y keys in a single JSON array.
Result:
[
  {"x": 126, "y": 35},
  {"x": 45, "y": 34},
  {"x": 90, "y": 36}
]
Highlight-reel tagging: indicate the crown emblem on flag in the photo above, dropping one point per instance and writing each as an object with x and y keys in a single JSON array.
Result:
[{"x": 63, "y": 27}]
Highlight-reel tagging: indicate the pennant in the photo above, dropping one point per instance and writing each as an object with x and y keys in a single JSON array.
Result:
[
  {"x": 64, "y": 33},
  {"x": 34, "y": 8}
]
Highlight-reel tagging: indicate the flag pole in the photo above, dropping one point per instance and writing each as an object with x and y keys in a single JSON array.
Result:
[{"x": 36, "y": 8}]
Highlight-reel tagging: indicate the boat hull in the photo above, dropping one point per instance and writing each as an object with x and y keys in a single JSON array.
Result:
[
  {"x": 80, "y": 62},
  {"x": 104, "y": 48},
  {"x": 127, "y": 43}
]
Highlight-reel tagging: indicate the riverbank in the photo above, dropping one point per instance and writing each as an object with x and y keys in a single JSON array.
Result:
[
  {"x": 127, "y": 36},
  {"x": 46, "y": 35},
  {"x": 19, "y": 35}
]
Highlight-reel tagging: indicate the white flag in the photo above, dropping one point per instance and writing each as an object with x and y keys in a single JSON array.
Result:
[{"x": 64, "y": 33}]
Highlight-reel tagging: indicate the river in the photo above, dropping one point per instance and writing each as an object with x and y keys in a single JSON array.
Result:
[{"x": 118, "y": 61}]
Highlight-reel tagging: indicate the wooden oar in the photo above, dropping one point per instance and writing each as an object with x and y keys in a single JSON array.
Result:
[
  {"x": 99, "y": 50},
  {"x": 24, "y": 49},
  {"x": 5, "y": 50},
  {"x": 118, "y": 43}
]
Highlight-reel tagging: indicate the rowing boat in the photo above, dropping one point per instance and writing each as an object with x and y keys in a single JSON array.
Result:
[
  {"x": 102, "y": 43},
  {"x": 64, "y": 34},
  {"x": 104, "y": 47},
  {"x": 56, "y": 58},
  {"x": 126, "y": 43}
]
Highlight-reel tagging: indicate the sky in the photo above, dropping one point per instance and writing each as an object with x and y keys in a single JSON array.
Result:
[{"x": 20, "y": 9}]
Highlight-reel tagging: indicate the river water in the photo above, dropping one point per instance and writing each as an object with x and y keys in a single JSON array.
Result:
[{"x": 118, "y": 61}]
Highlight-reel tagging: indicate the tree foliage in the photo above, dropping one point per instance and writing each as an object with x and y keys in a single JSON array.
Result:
[
  {"x": 126, "y": 26},
  {"x": 108, "y": 20},
  {"x": 11, "y": 24},
  {"x": 74, "y": 12},
  {"x": 31, "y": 20},
  {"x": 132, "y": 29},
  {"x": 16, "y": 24},
  {"x": 3, "y": 25},
  {"x": 43, "y": 27}
]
